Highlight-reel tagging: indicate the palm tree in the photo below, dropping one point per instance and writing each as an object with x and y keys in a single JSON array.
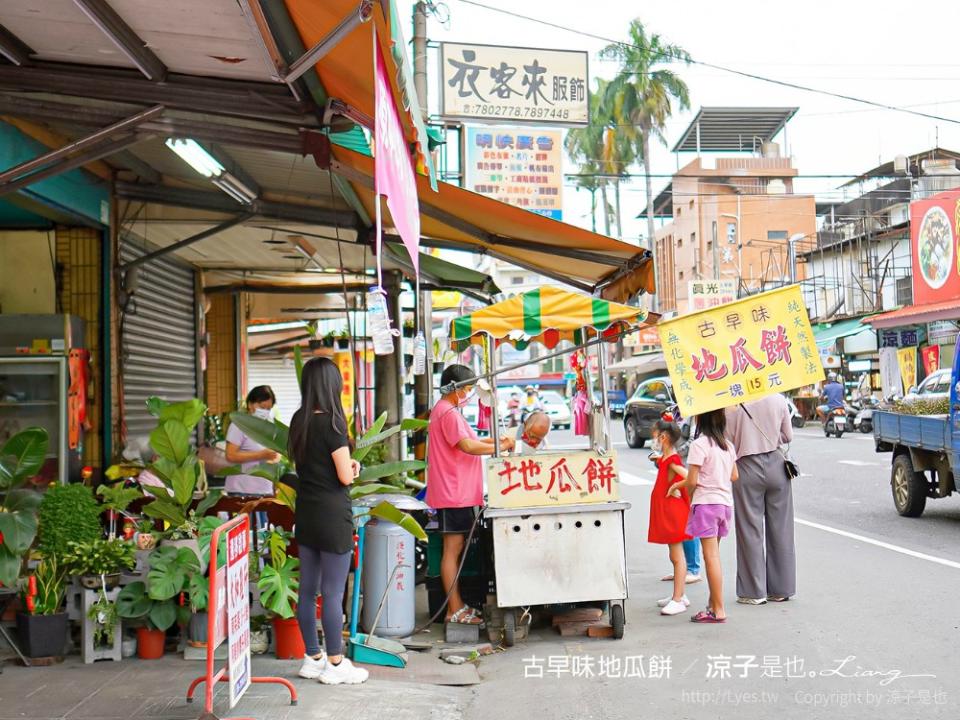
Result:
[{"x": 642, "y": 93}]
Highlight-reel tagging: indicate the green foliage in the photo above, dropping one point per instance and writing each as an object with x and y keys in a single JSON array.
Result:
[
  {"x": 391, "y": 514},
  {"x": 170, "y": 570},
  {"x": 99, "y": 557},
  {"x": 68, "y": 513},
  {"x": 104, "y": 615},
  {"x": 280, "y": 579},
  {"x": 177, "y": 465},
  {"x": 298, "y": 363},
  {"x": 133, "y": 603},
  {"x": 21, "y": 457},
  {"x": 49, "y": 580},
  {"x": 117, "y": 497},
  {"x": 272, "y": 434},
  {"x": 173, "y": 570}
]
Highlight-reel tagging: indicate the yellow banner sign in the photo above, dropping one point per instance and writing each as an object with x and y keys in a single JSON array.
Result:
[
  {"x": 344, "y": 361},
  {"x": 552, "y": 478},
  {"x": 907, "y": 359},
  {"x": 741, "y": 351}
]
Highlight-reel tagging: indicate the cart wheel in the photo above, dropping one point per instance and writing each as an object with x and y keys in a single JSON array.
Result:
[
  {"x": 616, "y": 619},
  {"x": 509, "y": 628}
]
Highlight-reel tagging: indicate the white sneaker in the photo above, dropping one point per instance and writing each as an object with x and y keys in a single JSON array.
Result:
[
  {"x": 667, "y": 600},
  {"x": 751, "y": 601},
  {"x": 674, "y": 608},
  {"x": 345, "y": 673},
  {"x": 312, "y": 668},
  {"x": 693, "y": 579}
]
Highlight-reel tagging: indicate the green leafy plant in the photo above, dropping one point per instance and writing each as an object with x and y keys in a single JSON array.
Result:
[
  {"x": 177, "y": 466},
  {"x": 117, "y": 497},
  {"x": 21, "y": 458},
  {"x": 280, "y": 578},
  {"x": 99, "y": 557},
  {"x": 173, "y": 570},
  {"x": 104, "y": 615},
  {"x": 45, "y": 587},
  {"x": 68, "y": 513}
]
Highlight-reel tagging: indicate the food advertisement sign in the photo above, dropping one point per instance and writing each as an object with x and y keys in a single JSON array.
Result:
[
  {"x": 934, "y": 234},
  {"x": 238, "y": 610},
  {"x": 514, "y": 85},
  {"x": 741, "y": 351},
  {"x": 552, "y": 478},
  {"x": 517, "y": 166}
]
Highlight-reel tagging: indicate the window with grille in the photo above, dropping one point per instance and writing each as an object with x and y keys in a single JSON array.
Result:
[{"x": 904, "y": 291}]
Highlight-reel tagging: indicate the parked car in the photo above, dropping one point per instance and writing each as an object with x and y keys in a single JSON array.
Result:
[
  {"x": 557, "y": 408},
  {"x": 650, "y": 400},
  {"x": 617, "y": 401},
  {"x": 934, "y": 387}
]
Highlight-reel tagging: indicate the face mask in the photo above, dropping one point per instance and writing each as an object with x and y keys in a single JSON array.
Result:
[
  {"x": 262, "y": 413},
  {"x": 465, "y": 399}
]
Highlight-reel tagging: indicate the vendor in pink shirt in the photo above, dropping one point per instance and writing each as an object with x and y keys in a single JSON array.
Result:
[{"x": 455, "y": 480}]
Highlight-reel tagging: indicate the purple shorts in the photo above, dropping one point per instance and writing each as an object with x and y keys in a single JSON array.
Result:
[{"x": 707, "y": 521}]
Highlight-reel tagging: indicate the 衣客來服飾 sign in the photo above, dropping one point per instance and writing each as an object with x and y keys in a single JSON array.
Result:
[
  {"x": 741, "y": 351},
  {"x": 552, "y": 478},
  {"x": 511, "y": 84}
]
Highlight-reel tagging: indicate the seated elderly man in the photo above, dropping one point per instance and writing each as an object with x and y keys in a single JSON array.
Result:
[{"x": 533, "y": 433}]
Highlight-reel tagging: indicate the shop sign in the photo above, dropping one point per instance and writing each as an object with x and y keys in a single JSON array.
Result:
[
  {"x": 907, "y": 360},
  {"x": 518, "y": 167},
  {"x": 344, "y": 361},
  {"x": 705, "y": 294},
  {"x": 942, "y": 332},
  {"x": 238, "y": 610},
  {"x": 931, "y": 359},
  {"x": 934, "y": 234},
  {"x": 552, "y": 478},
  {"x": 648, "y": 337},
  {"x": 899, "y": 338},
  {"x": 498, "y": 84},
  {"x": 741, "y": 351}
]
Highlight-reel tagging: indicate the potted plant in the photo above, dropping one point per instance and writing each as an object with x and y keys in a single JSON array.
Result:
[
  {"x": 99, "y": 562},
  {"x": 21, "y": 458},
  {"x": 154, "y": 603},
  {"x": 343, "y": 339},
  {"x": 145, "y": 536},
  {"x": 409, "y": 328},
  {"x": 68, "y": 513},
  {"x": 279, "y": 583},
  {"x": 43, "y": 625},
  {"x": 104, "y": 616},
  {"x": 116, "y": 499}
]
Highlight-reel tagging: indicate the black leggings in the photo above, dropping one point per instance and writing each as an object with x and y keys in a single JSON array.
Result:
[{"x": 325, "y": 573}]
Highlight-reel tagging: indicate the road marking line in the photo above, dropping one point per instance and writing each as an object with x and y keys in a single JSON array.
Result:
[
  {"x": 880, "y": 543},
  {"x": 858, "y": 463},
  {"x": 631, "y": 479}
]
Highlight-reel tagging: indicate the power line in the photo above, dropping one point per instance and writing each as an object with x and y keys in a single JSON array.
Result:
[{"x": 702, "y": 63}]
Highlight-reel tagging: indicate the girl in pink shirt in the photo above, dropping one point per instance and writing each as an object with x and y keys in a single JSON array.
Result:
[{"x": 711, "y": 472}]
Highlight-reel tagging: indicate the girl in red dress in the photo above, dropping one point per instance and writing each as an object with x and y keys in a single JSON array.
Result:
[{"x": 668, "y": 513}]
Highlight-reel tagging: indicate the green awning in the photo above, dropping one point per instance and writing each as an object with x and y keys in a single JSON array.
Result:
[
  {"x": 827, "y": 334},
  {"x": 439, "y": 274}
]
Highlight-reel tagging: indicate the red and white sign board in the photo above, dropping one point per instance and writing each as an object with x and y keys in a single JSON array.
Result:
[{"x": 238, "y": 611}]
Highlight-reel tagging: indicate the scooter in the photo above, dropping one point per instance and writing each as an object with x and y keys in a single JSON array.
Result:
[
  {"x": 796, "y": 419},
  {"x": 836, "y": 423},
  {"x": 864, "y": 419}
]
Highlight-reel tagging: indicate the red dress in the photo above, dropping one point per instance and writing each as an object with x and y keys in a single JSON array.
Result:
[{"x": 668, "y": 515}]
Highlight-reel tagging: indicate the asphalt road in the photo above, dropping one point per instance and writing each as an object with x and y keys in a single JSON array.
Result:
[{"x": 876, "y": 603}]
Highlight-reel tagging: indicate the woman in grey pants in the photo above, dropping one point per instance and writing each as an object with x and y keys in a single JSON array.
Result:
[{"x": 763, "y": 501}]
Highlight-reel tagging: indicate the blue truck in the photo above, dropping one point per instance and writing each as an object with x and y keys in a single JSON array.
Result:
[{"x": 926, "y": 451}]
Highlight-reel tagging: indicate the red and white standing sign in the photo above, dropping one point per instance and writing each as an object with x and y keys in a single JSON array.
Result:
[{"x": 238, "y": 611}]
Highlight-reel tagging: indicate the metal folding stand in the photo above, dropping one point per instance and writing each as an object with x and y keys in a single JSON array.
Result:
[
  {"x": 217, "y": 625},
  {"x": 7, "y": 596}
]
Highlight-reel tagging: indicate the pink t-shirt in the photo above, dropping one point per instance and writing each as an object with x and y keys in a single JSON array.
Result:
[
  {"x": 714, "y": 486},
  {"x": 454, "y": 478}
]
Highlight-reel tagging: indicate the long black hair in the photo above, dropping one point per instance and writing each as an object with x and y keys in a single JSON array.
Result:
[
  {"x": 320, "y": 388},
  {"x": 261, "y": 394},
  {"x": 713, "y": 425}
]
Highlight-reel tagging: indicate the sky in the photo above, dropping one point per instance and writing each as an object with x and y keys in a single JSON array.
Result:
[{"x": 887, "y": 52}]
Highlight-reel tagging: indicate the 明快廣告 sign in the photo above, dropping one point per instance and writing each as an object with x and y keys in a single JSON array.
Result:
[
  {"x": 510, "y": 84},
  {"x": 741, "y": 351}
]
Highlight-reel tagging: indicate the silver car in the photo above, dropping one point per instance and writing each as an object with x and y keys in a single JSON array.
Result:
[{"x": 935, "y": 386}]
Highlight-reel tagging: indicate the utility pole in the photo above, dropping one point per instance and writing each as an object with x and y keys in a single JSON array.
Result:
[{"x": 423, "y": 384}]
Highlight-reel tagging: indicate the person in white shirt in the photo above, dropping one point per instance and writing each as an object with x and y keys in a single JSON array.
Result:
[{"x": 533, "y": 433}]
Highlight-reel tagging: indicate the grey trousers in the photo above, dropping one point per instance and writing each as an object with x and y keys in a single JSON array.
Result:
[{"x": 763, "y": 508}]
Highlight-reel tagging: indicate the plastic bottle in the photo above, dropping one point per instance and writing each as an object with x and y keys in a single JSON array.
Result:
[
  {"x": 379, "y": 322},
  {"x": 419, "y": 354}
]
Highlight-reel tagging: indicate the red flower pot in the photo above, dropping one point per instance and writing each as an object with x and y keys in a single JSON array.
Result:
[
  {"x": 288, "y": 642},
  {"x": 150, "y": 643}
]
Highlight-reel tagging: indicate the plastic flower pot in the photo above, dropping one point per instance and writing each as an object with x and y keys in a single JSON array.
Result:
[
  {"x": 343, "y": 343},
  {"x": 288, "y": 643},
  {"x": 42, "y": 635},
  {"x": 150, "y": 643},
  {"x": 197, "y": 632}
]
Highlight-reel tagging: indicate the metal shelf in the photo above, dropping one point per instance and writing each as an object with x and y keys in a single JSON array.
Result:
[{"x": 30, "y": 403}]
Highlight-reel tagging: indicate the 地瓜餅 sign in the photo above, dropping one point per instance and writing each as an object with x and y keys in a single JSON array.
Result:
[
  {"x": 498, "y": 84},
  {"x": 934, "y": 237},
  {"x": 740, "y": 351}
]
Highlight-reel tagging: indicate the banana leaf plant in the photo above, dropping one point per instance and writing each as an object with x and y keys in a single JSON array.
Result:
[{"x": 21, "y": 458}]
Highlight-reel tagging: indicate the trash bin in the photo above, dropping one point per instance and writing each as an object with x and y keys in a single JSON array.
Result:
[{"x": 386, "y": 547}]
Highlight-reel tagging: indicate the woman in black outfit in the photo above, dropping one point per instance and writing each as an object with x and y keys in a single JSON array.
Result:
[{"x": 324, "y": 520}]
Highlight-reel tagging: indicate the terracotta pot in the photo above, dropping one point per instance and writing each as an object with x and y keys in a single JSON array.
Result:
[
  {"x": 288, "y": 642},
  {"x": 150, "y": 643}
]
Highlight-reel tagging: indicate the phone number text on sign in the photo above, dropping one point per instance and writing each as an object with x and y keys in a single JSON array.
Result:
[{"x": 741, "y": 351}]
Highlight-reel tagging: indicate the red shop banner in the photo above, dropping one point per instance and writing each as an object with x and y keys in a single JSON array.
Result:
[
  {"x": 931, "y": 359},
  {"x": 934, "y": 233}
]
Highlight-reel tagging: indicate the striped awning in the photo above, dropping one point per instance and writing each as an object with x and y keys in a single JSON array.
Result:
[{"x": 547, "y": 316}]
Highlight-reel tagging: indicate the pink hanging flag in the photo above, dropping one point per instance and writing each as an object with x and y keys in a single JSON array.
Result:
[{"x": 393, "y": 166}]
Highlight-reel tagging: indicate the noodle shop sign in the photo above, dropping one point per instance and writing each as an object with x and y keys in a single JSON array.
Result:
[
  {"x": 934, "y": 234},
  {"x": 552, "y": 478}
]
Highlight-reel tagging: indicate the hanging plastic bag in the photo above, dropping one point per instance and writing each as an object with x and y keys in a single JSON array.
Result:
[{"x": 379, "y": 322}]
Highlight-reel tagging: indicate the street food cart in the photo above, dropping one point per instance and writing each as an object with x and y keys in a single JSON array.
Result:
[{"x": 557, "y": 518}]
